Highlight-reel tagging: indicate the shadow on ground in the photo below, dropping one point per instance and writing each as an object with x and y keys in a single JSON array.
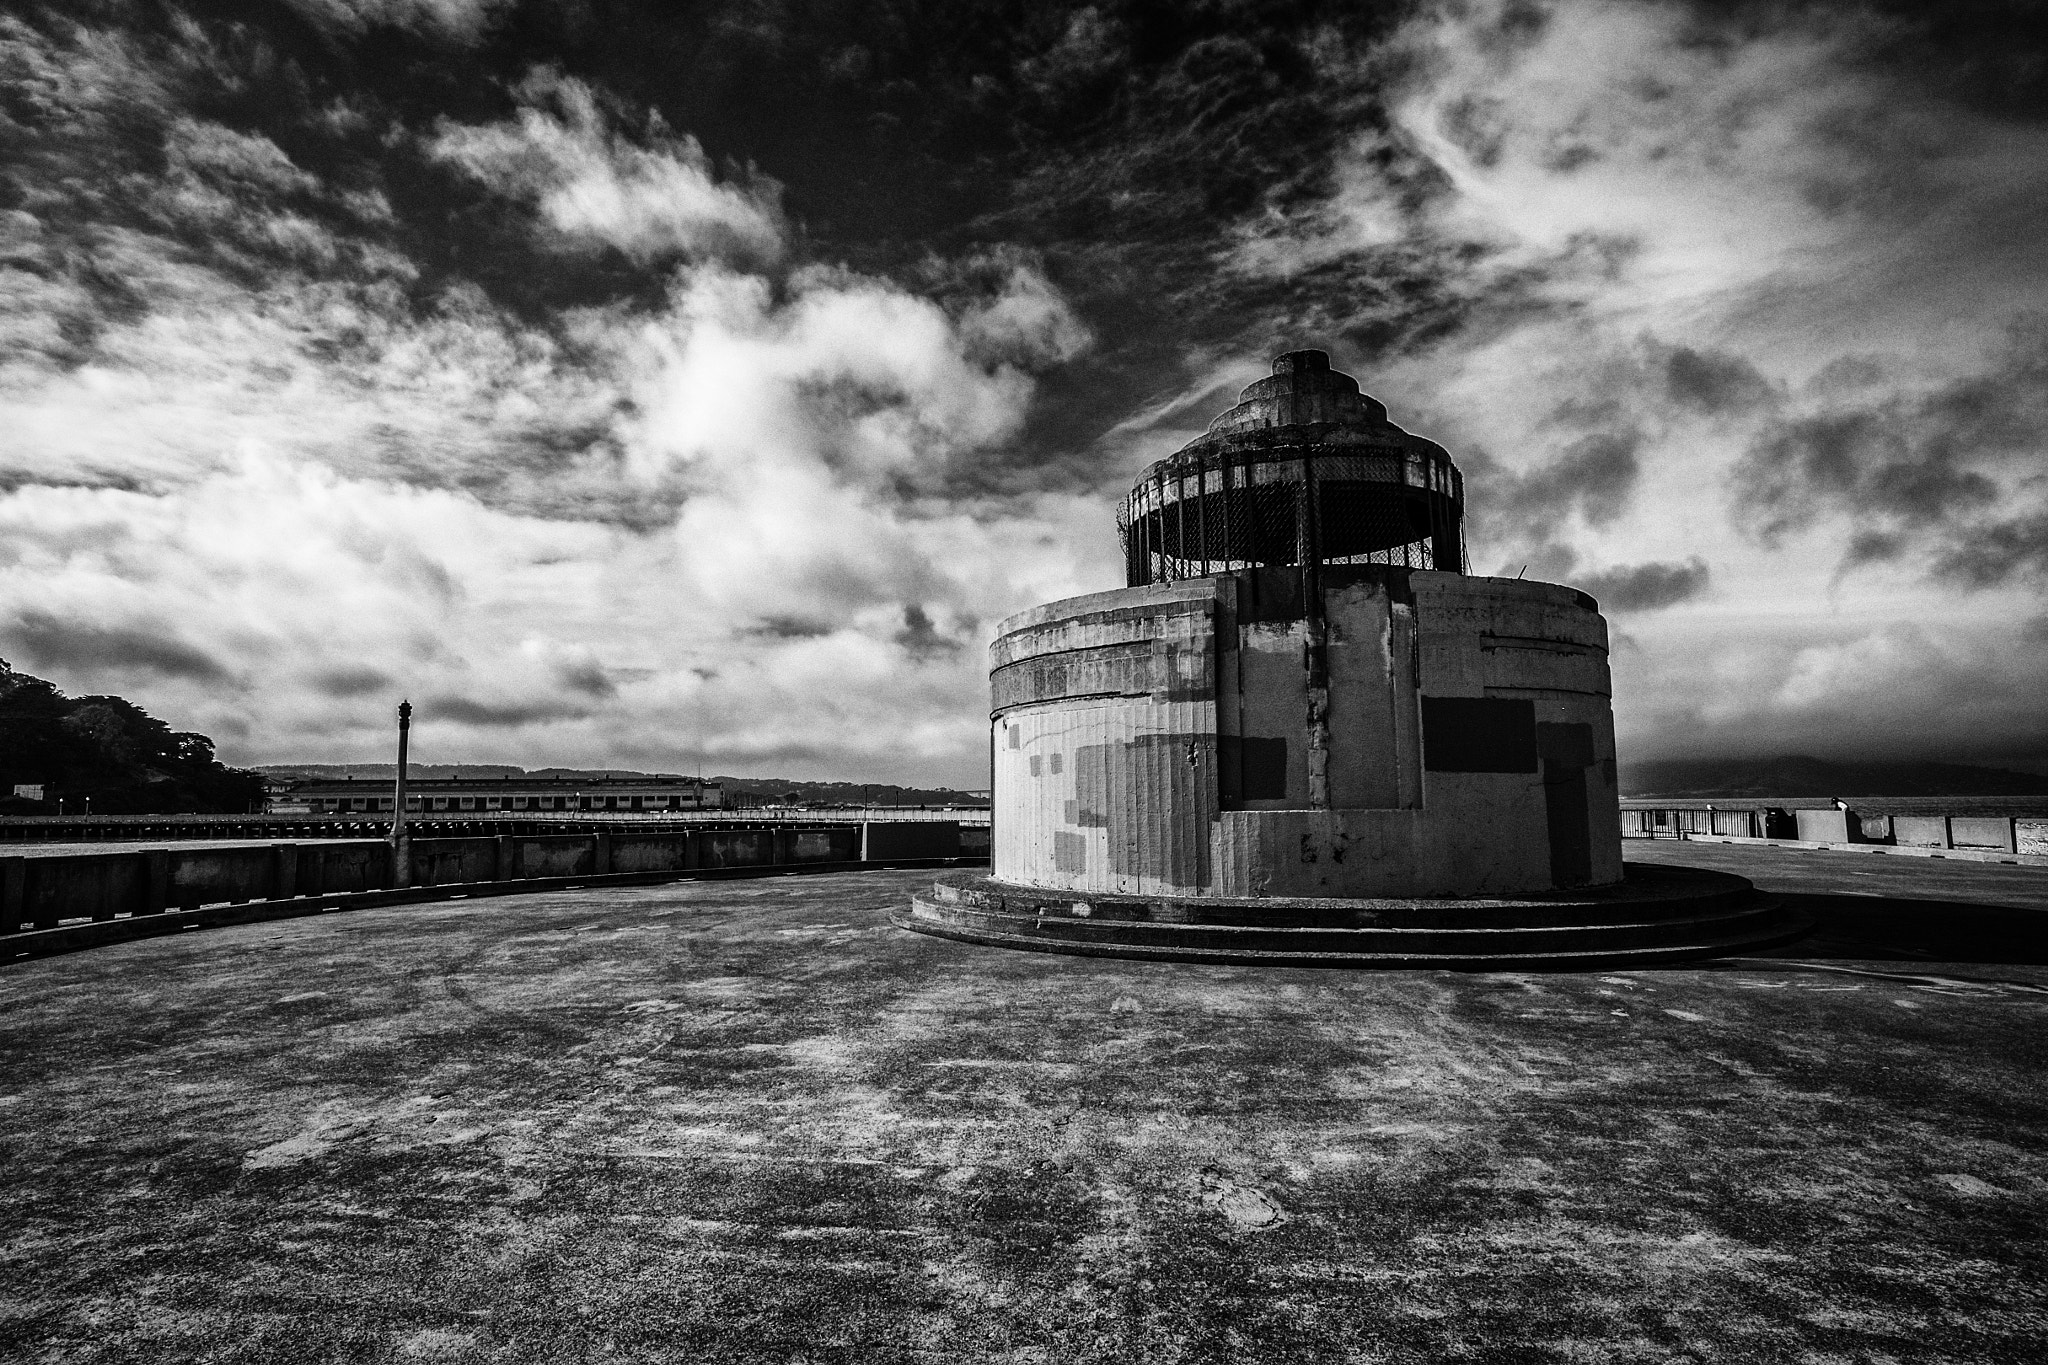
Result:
[
  {"x": 1892, "y": 929},
  {"x": 1886, "y": 907}
]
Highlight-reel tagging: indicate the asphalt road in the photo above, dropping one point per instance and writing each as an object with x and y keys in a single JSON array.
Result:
[{"x": 750, "y": 1121}]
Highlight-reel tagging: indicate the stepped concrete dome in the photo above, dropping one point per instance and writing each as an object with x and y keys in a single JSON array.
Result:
[{"x": 1302, "y": 729}]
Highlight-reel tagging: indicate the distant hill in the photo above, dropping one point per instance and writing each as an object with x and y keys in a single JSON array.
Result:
[
  {"x": 291, "y": 772},
  {"x": 1800, "y": 776},
  {"x": 848, "y": 793},
  {"x": 110, "y": 752},
  {"x": 740, "y": 790}
]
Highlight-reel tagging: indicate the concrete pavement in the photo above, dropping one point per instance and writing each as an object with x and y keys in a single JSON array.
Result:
[{"x": 752, "y": 1122}]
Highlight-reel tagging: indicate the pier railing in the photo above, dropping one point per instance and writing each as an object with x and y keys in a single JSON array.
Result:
[
  {"x": 58, "y": 901},
  {"x": 1972, "y": 834}
]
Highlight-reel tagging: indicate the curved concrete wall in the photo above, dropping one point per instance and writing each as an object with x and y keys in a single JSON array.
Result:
[{"x": 1448, "y": 735}]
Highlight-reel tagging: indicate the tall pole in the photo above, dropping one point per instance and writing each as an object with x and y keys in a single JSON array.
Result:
[{"x": 401, "y": 846}]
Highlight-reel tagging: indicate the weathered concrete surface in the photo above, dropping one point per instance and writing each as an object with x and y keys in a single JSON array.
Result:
[
  {"x": 1163, "y": 741},
  {"x": 749, "y": 1121}
]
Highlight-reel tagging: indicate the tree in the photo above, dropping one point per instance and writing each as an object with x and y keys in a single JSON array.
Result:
[{"x": 109, "y": 749}]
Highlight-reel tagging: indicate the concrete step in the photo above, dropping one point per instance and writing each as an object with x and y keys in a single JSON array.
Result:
[
  {"x": 1650, "y": 893},
  {"x": 1680, "y": 914},
  {"x": 1781, "y": 928},
  {"x": 1532, "y": 939}
]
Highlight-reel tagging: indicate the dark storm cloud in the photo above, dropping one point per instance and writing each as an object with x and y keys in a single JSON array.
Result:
[
  {"x": 1997, "y": 552},
  {"x": 1593, "y": 475},
  {"x": 920, "y": 638},
  {"x": 586, "y": 676},
  {"x": 1713, "y": 381},
  {"x": 89, "y": 649},
  {"x": 1945, "y": 474},
  {"x": 790, "y": 628},
  {"x": 497, "y": 716},
  {"x": 1646, "y": 587},
  {"x": 351, "y": 681}
]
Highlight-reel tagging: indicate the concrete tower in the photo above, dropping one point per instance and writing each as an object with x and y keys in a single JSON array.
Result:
[
  {"x": 1301, "y": 693},
  {"x": 1302, "y": 706}
]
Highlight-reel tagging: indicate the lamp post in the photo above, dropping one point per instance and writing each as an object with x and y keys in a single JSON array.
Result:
[{"x": 401, "y": 845}]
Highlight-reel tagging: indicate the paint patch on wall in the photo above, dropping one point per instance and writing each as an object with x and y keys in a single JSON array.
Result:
[
  {"x": 1091, "y": 787},
  {"x": 1069, "y": 851},
  {"x": 1565, "y": 746},
  {"x": 1567, "y": 751},
  {"x": 1155, "y": 796},
  {"x": 1259, "y": 765},
  {"x": 1478, "y": 735}
]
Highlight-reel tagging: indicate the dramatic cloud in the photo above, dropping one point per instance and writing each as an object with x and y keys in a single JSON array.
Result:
[
  {"x": 44, "y": 641},
  {"x": 1751, "y": 293},
  {"x": 1955, "y": 473},
  {"x": 565, "y": 529},
  {"x": 716, "y": 393}
]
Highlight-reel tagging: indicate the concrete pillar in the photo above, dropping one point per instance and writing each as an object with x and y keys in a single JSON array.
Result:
[
  {"x": 284, "y": 871},
  {"x": 602, "y": 862},
  {"x": 13, "y": 887},
  {"x": 507, "y": 868},
  {"x": 156, "y": 881}
]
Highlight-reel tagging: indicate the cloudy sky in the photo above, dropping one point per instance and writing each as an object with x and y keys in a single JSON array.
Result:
[{"x": 619, "y": 380}]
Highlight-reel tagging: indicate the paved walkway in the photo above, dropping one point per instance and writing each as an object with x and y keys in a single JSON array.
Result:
[{"x": 751, "y": 1122}]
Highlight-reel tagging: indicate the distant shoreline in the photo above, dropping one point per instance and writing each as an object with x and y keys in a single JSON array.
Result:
[{"x": 2019, "y": 807}]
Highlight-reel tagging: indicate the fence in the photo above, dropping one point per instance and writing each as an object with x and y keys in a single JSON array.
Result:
[
  {"x": 40, "y": 894},
  {"x": 68, "y": 829},
  {"x": 1977, "y": 834}
]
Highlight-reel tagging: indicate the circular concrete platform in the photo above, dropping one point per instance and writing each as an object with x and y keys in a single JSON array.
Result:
[{"x": 1654, "y": 914}]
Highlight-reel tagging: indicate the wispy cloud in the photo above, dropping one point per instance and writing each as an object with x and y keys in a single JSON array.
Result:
[
  {"x": 460, "y": 20},
  {"x": 654, "y": 200}
]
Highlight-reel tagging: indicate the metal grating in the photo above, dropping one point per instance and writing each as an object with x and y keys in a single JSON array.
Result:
[{"x": 1221, "y": 511}]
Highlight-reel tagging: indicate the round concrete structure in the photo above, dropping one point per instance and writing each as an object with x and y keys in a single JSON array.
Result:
[
  {"x": 1424, "y": 734},
  {"x": 1301, "y": 699}
]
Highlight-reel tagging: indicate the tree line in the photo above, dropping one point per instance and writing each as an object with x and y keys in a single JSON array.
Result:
[{"x": 110, "y": 752}]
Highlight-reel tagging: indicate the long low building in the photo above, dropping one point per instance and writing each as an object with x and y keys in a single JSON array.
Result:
[{"x": 429, "y": 795}]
